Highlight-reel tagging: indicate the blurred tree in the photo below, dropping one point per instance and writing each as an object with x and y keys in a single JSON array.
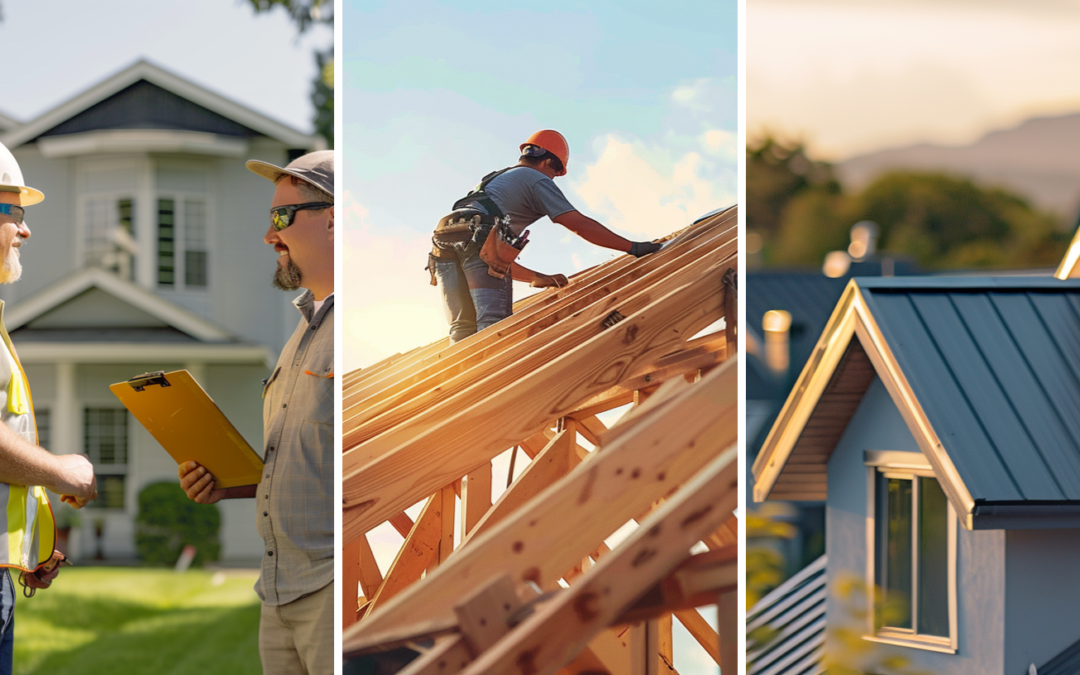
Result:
[
  {"x": 305, "y": 13},
  {"x": 950, "y": 222},
  {"x": 778, "y": 172}
]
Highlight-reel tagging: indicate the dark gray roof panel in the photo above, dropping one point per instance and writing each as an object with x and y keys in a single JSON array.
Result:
[
  {"x": 147, "y": 106},
  {"x": 995, "y": 363},
  {"x": 1065, "y": 663}
]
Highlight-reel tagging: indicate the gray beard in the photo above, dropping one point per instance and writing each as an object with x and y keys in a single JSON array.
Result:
[{"x": 287, "y": 277}]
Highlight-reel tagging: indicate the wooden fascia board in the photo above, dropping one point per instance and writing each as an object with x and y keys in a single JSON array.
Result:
[
  {"x": 853, "y": 318},
  {"x": 559, "y": 305},
  {"x": 1069, "y": 267},
  {"x": 438, "y": 446},
  {"x": 409, "y": 406},
  {"x": 551, "y": 532},
  {"x": 805, "y": 395}
]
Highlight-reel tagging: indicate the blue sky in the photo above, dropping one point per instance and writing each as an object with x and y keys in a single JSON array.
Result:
[
  {"x": 437, "y": 96},
  {"x": 220, "y": 44}
]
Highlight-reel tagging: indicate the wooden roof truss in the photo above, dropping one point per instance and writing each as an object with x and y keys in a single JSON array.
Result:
[{"x": 532, "y": 587}]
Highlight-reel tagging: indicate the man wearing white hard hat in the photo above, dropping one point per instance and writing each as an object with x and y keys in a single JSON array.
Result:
[
  {"x": 295, "y": 500},
  {"x": 26, "y": 469}
]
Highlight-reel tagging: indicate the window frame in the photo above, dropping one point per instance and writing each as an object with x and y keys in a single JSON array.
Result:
[
  {"x": 102, "y": 469},
  {"x": 907, "y": 466},
  {"x": 180, "y": 198}
]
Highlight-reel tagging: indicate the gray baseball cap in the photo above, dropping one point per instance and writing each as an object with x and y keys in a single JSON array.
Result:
[{"x": 316, "y": 168}]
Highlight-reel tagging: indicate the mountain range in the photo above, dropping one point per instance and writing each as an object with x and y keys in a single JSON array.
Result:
[{"x": 1039, "y": 159}]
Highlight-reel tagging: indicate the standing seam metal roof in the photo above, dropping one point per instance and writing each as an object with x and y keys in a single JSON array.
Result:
[{"x": 995, "y": 365}]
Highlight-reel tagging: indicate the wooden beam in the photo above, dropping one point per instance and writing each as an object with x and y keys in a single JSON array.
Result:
[
  {"x": 484, "y": 617},
  {"x": 727, "y": 616},
  {"x": 586, "y": 288},
  {"x": 420, "y": 550},
  {"x": 701, "y": 631},
  {"x": 460, "y": 443},
  {"x": 475, "y": 497},
  {"x": 544, "y": 538},
  {"x": 350, "y": 573},
  {"x": 553, "y": 462},
  {"x": 588, "y": 321},
  {"x": 447, "y": 497},
  {"x": 558, "y": 630}
]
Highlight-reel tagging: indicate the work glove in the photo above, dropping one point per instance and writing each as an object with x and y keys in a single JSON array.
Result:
[
  {"x": 640, "y": 248},
  {"x": 549, "y": 280},
  {"x": 43, "y": 576}
]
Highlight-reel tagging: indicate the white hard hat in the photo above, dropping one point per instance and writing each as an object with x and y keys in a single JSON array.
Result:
[{"x": 11, "y": 179}]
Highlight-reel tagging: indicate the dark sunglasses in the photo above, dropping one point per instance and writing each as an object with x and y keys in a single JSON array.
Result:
[
  {"x": 16, "y": 212},
  {"x": 282, "y": 216}
]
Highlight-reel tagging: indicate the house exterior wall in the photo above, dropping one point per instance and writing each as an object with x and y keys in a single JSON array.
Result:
[
  {"x": 1042, "y": 596},
  {"x": 878, "y": 425},
  {"x": 239, "y": 297}
]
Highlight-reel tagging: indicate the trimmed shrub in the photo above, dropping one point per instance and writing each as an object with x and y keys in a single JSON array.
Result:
[{"x": 168, "y": 521}]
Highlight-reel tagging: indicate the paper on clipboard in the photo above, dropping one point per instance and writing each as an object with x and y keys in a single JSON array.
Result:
[{"x": 188, "y": 424}]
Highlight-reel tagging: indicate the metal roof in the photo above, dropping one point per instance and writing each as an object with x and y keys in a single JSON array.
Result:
[
  {"x": 995, "y": 364},
  {"x": 1065, "y": 663}
]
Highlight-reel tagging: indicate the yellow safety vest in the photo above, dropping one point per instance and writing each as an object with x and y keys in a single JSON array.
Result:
[{"x": 27, "y": 525}]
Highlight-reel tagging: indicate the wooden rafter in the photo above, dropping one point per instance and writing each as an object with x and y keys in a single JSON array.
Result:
[{"x": 428, "y": 423}]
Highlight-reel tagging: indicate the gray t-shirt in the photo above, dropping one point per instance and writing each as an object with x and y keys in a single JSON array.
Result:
[{"x": 526, "y": 195}]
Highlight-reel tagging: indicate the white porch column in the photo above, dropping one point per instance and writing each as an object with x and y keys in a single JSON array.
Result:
[
  {"x": 198, "y": 371},
  {"x": 66, "y": 416}
]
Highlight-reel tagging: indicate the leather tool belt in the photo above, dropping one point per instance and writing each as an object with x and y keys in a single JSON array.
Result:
[
  {"x": 462, "y": 232},
  {"x": 42, "y": 577}
]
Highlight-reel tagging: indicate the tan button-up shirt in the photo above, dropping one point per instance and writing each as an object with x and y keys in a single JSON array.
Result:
[{"x": 295, "y": 499}]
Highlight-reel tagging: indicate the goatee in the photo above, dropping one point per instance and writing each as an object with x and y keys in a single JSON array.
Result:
[{"x": 287, "y": 277}]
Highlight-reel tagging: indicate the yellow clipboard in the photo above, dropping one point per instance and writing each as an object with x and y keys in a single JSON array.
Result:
[{"x": 189, "y": 425}]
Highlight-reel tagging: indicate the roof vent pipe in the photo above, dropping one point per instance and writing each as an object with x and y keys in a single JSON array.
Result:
[{"x": 777, "y": 325}]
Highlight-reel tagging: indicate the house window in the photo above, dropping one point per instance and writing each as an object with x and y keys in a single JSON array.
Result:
[
  {"x": 182, "y": 247},
  {"x": 109, "y": 235},
  {"x": 105, "y": 434},
  {"x": 912, "y": 554},
  {"x": 41, "y": 417}
]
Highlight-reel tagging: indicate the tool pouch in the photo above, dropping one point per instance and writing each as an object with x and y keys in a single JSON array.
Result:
[
  {"x": 32, "y": 581},
  {"x": 455, "y": 235},
  {"x": 497, "y": 251}
]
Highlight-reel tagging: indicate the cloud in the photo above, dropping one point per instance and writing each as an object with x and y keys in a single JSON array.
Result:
[
  {"x": 390, "y": 307},
  {"x": 647, "y": 191}
]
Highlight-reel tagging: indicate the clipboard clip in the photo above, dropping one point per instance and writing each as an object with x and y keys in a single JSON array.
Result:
[{"x": 140, "y": 382}]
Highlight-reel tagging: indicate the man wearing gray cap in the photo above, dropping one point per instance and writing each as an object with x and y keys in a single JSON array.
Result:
[{"x": 295, "y": 500}]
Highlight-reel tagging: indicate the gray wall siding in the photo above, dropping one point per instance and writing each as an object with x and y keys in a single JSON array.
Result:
[
  {"x": 1042, "y": 596},
  {"x": 49, "y": 255},
  {"x": 877, "y": 425}
]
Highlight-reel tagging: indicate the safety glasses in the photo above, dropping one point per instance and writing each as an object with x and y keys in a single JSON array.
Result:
[
  {"x": 283, "y": 216},
  {"x": 16, "y": 212}
]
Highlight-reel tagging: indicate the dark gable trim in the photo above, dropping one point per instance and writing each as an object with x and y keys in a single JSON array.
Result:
[{"x": 143, "y": 105}]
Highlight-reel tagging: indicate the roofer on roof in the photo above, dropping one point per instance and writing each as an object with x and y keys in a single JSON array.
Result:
[{"x": 473, "y": 257}]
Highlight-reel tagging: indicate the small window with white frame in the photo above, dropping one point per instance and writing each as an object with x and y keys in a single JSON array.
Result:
[
  {"x": 105, "y": 440},
  {"x": 182, "y": 246},
  {"x": 911, "y": 546}
]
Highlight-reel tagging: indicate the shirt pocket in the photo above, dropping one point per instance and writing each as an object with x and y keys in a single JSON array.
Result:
[{"x": 316, "y": 385}]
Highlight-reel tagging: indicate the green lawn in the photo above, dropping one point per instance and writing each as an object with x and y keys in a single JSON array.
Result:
[{"x": 112, "y": 620}]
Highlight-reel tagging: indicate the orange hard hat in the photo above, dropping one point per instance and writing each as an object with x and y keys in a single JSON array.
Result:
[{"x": 553, "y": 142}]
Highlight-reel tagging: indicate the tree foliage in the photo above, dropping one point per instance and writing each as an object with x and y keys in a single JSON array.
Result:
[
  {"x": 305, "y": 13},
  {"x": 945, "y": 222}
]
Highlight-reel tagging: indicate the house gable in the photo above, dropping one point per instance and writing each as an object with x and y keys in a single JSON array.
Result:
[
  {"x": 97, "y": 304},
  {"x": 144, "y": 105},
  {"x": 985, "y": 373},
  {"x": 144, "y": 96}
]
